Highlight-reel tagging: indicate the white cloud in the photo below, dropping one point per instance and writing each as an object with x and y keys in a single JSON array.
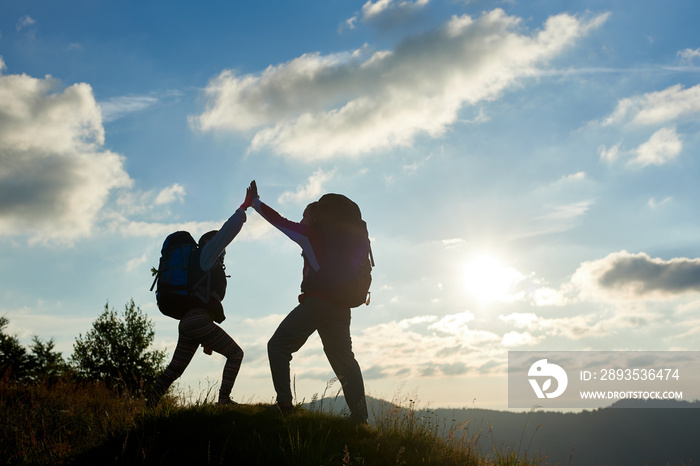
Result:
[
  {"x": 350, "y": 22},
  {"x": 574, "y": 177},
  {"x": 318, "y": 107},
  {"x": 150, "y": 204},
  {"x": 512, "y": 339},
  {"x": 171, "y": 194},
  {"x": 24, "y": 22},
  {"x": 313, "y": 189},
  {"x": 663, "y": 146},
  {"x": 654, "y": 110},
  {"x": 453, "y": 323},
  {"x": 688, "y": 56},
  {"x": 371, "y": 9},
  {"x": 574, "y": 327},
  {"x": 568, "y": 211},
  {"x": 653, "y": 203},
  {"x": 117, "y": 107},
  {"x": 628, "y": 282},
  {"x": 135, "y": 263},
  {"x": 628, "y": 291},
  {"x": 374, "y": 10},
  {"x": 130, "y": 228},
  {"x": 452, "y": 243},
  {"x": 387, "y": 14},
  {"x": 406, "y": 323},
  {"x": 432, "y": 346},
  {"x": 255, "y": 227},
  {"x": 657, "y": 108},
  {"x": 546, "y": 296},
  {"x": 54, "y": 175},
  {"x": 626, "y": 276},
  {"x": 47, "y": 320},
  {"x": 417, "y": 347},
  {"x": 520, "y": 319},
  {"x": 610, "y": 154}
]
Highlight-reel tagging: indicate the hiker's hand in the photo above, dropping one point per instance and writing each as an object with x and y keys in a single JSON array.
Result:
[
  {"x": 207, "y": 351},
  {"x": 250, "y": 194},
  {"x": 248, "y": 199}
]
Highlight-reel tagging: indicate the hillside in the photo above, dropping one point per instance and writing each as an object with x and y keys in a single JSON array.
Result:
[
  {"x": 256, "y": 435},
  {"x": 87, "y": 424},
  {"x": 251, "y": 434}
]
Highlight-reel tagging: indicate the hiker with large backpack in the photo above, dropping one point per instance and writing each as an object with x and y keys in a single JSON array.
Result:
[
  {"x": 336, "y": 278},
  {"x": 191, "y": 284}
]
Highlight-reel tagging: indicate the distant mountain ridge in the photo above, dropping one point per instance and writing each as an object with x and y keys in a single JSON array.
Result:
[{"x": 633, "y": 432}]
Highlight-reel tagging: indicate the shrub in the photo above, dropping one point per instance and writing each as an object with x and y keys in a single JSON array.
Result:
[
  {"x": 14, "y": 360},
  {"x": 116, "y": 351}
]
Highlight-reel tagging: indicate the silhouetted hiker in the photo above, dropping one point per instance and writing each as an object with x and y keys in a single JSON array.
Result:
[
  {"x": 197, "y": 324},
  {"x": 321, "y": 308}
]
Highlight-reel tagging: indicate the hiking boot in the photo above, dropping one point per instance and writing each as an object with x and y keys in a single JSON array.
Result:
[
  {"x": 282, "y": 408},
  {"x": 226, "y": 402}
]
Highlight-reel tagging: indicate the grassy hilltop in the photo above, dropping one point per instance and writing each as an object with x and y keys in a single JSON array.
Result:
[{"x": 74, "y": 424}]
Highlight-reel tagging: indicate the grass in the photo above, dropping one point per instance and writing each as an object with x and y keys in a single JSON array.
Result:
[
  {"x": 47, "y": 424},
  {"x": 86, "y": 424}
]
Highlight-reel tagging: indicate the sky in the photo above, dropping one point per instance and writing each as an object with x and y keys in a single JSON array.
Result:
[{"x": 527, "y": 170}]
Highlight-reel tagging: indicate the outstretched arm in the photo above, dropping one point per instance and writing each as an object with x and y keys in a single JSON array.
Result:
[
  {"x": 298, "y": 232},
  {"x": 293, "y": 230},
  {"x": 213, "y": 249}
]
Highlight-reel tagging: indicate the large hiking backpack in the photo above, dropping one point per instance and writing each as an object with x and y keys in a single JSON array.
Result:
[
  {"x": 346, "y": 273},
  {"x": 182, "y": 284}
]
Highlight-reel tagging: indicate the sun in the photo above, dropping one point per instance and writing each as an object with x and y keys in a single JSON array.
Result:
[{"x": 488, "y": 280}]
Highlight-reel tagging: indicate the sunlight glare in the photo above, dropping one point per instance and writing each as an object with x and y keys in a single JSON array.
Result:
[{"x": 488, "y": 280}]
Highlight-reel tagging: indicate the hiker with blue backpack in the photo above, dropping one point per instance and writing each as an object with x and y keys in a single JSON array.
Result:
[
  {"x": 191, "y": 282},
  {"x": 336, "y": 277}
]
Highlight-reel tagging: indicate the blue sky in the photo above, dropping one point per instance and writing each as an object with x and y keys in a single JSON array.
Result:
[{"x": 527, "y": 171}]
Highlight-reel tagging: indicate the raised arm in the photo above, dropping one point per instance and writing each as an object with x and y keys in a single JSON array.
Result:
[
  {"x": 300, "y": 233},
  {"x": 214, "y": 247}
]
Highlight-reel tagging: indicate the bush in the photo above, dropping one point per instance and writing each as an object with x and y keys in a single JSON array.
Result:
[
  {"x": 41, "y": 364},
  {"x": 116, "y": 351},
  {"x": 45, "y": 364},
  {"x": 14, "y": 360}
]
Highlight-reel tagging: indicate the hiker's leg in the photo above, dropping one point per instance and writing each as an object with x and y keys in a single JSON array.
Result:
[
  {"x": 291, "y": 335},
  {"x": 184, "y": 351},
  {"x": 214, "y": 337},
  {"x": 337, "y": 345}
]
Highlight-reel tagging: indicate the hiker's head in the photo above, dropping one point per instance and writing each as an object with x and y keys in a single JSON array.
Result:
[
  {"x": 310, "y": 214},
  {"x": 206, "y": 237},
  {"x": 337, "y": 209}
]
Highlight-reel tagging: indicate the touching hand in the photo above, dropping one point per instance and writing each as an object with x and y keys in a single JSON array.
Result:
[{"x": 250, "y": 193}]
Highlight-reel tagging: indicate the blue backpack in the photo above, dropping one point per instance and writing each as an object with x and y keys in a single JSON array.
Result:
[{"x": 182, "y": 284}]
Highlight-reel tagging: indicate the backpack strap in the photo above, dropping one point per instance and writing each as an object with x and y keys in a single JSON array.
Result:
[
  {"x": 195, "y": 288},
  {"x": 155, "y": 279}
]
